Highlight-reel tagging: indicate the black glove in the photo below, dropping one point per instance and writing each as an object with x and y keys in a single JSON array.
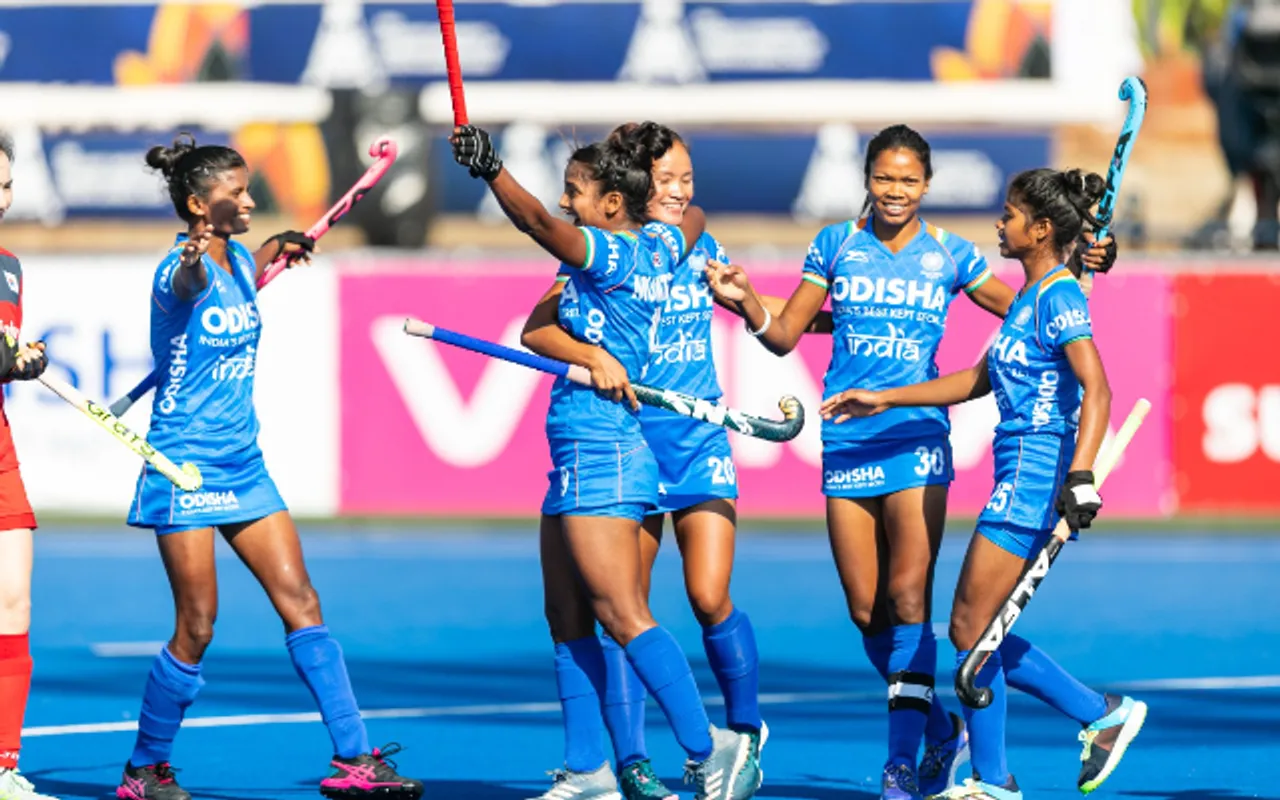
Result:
[
  {"x": 1078, "y": 500},
  {"x": 8, "y": 355},
  {"x": 283, "y": 240},
  {"x": 34, "y": 367},
  {"x": 473, "y": 149},
  {"x": 1108, "y": 258}
]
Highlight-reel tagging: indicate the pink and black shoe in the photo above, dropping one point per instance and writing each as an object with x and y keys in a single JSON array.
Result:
[
  {"x": 369, "y": 775},
  {"x": 151, "y": 782}
]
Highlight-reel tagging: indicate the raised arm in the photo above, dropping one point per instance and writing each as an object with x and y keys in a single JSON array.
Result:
[
  {"x": 949, "y": 390},
  {"x": 993, "y": 295},
  {"x": 297, "y": 246},
  {"x": 822, "y": 323},
  {"x": 191, "y": 278},
  {"x": 543, "y": 335},
  {"x": 779, "y": 333},
  {"x": 563, "y": 240}
]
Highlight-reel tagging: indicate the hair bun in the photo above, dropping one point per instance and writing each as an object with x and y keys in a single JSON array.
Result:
[
  {"x": 1084, "y": 189},
  {"x": 166, "y": 158}
]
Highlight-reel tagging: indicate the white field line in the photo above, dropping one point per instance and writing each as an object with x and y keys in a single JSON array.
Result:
[{"x": 506, "y": 709}]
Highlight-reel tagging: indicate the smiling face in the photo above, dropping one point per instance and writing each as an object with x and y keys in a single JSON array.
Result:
[
  {"x": 897, "y": 184},
  {"x": 227, "y": 205},
  {"x": 672, "y": 185}
]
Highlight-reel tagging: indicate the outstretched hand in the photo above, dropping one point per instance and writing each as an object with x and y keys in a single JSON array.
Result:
[
  {"x": 197, "y": 245},
  {"x": 729, "y": 282},
  {"x": 853, "y": 403}
]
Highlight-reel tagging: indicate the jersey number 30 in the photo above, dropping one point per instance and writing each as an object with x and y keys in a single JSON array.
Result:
[{"x": 932, "y": 462}]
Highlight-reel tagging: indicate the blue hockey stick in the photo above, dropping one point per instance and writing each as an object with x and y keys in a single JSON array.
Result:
[
  {"x": 677, "y": 402},
  {"x": 1135, "y": 91}
]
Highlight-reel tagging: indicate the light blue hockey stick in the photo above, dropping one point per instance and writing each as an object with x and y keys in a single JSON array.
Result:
[{"x": 1135, "y": 91}]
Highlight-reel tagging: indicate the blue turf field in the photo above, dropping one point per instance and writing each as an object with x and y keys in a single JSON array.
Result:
[{"x": 449, "y": 656}]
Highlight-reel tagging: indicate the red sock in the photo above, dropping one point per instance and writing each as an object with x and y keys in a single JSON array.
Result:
[{"x": 15, "y": 684}]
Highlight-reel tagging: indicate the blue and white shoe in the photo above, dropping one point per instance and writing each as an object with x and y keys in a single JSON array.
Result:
[
  {"x": 728, "y": 773},
  {"x": 899, "y": 783},
  {"x": 599, "y": 784},
  {"x": 758, "y": 740},
  {"x": 638, "y": 781},
  {"x": 942, "y": 761},
  {"x": 974, "y": 789},
  {"x": 1106, "y": 739}
]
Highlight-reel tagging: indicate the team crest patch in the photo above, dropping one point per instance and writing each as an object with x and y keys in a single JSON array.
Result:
[
  {"x": 931, "y": 263},
  {"x": 12, "y": 280},
  {"x": 1023, "y": 316}
]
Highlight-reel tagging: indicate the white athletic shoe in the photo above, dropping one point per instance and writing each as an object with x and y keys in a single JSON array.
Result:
[{"x": 13, "y": 786}]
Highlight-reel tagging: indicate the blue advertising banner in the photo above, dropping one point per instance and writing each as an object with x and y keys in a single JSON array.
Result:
[
  {"x": 808, "y": 175},
  {"x": 650, "y": 40},
  {"x": 70, "y": 44}
]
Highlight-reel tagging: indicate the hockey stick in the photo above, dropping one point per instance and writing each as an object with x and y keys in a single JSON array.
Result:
[
  {"x": 1135, "y": 91},
  {"x": 991, "y": 639},
  {"x": 187, "y": 478},
  {"x": 384, "y": 150},
  {"x": 685, "y": 405},
  {"x": 449, "y": 36}
]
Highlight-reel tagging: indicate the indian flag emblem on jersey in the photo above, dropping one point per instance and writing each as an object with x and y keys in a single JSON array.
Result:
[{"x": 12, "y": 280}]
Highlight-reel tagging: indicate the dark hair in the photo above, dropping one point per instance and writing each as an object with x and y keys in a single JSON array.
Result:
[
  {"x": 190, "y": 169},
  {"x": 896, "y": 137},
  {"x": 6, "y": 145},
  {"x": 614, "y": 165},
  {"x": 1063, "y": 198},
  {"x": 646, "y": 141}
]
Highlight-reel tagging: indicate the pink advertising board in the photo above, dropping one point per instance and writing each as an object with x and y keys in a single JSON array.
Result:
[{"x": 431, "y": 429}]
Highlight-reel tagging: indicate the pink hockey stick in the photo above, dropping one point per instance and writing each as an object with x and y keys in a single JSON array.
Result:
[{"x": 384, "y": 150}]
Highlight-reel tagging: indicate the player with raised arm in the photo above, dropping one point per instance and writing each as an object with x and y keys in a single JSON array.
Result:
[
  {"x": 17, "y": 520},
  {"x": 891, "y": 278},
  {"x": 697, "y": 479},
  {"x": 604, "y": 479},
  {"x": 1055, "y": 404},
  {"x": 204, "y": 338}
]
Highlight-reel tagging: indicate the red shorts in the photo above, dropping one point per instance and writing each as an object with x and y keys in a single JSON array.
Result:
[{"x": 15, "y": 509}]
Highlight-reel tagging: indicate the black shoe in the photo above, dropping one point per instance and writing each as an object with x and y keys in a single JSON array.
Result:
[
  {"x": 152, "y": 782},
  {"x": 369, "y": 775}
]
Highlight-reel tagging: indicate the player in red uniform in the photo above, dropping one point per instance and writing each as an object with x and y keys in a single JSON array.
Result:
[{"x": 17, "y": 520}]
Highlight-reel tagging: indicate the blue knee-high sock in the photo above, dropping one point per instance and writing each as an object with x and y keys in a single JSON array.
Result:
[
  {"x": 1030, "y": 669},
  {"x": 172, "y": 687},
  {"x": 317, "y": 657},
  {"x": 938, "y": 728},
  {"x": 986, "y": 726},
  {"x": 731, "y": 652},
  {"x": 623, "y": 705},
  {"x": 580, "y": 669},
  {"x": 912, "y": 663},
  {"x": 665, "y": 673}
]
